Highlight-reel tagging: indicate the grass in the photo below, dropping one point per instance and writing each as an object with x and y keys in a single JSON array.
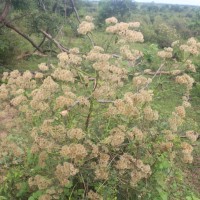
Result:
[{"x": 167, "y": 95}]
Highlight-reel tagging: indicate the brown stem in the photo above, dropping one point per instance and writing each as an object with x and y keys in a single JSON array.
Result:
[
  {"x": 41, "y": 43},
  {"x": 75, "y": 10},
  {"x": 89, "y": 115},
  {"x": 156, "y": 73},
  {"x": 78, "y": 18},
  {"x": 91, "y": 103}
]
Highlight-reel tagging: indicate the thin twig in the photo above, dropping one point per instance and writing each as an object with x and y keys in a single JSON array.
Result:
[
  {"x": 60, "y": 46},
  {"x": 104, "y": 101},
  {"x": 108, "y": 166},
  {"x": 78, "y": 18},
  {"x": 89, "y": 114},
  {"x": 43, "y": 5},
  {"x": 156, "y": 73},
  {"x": 41, "y": 43},
  {"x": 8, "y": 25}
]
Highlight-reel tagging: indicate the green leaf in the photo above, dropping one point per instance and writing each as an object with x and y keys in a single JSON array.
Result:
[
  {"x": 69, "y": 185},
  {"x": 37, "y": 194},
  {"x": 3, "y": 198},
  {"x": 163, "y": 194},
  {"x": 31, "y": 198},
  {"x": 23, "y": 190}
]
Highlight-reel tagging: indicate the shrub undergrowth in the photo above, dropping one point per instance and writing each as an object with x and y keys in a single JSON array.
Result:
[{"x": 86, "y": 128}]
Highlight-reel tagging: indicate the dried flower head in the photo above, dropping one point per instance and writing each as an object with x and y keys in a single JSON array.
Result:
[
  {"x": 74, "y": 151},
  {"x": 150, "y": 114},
  {"x": 85, "y": 27},
  {"x": 76, "y": 133},
  {"x": 111, "y": 20},
  {"x": 166, "y": 53},
  {"x": 64, "y": 172},
  {"x": 192, "y": 136},
  {"x": 89, "y": 18},
  {"x": 43, "y": 67},
  {"x": 134, "y": 24},
  {"x": 180, "y": 110},
  {"x": 94, "y": 196}
]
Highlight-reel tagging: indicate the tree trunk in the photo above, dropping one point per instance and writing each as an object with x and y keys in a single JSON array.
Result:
[{"x": 5, "y": 11}]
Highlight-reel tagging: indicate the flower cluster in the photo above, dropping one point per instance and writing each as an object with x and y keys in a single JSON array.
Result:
[
  {"x": 192, "y": 47},
  {"x": 94, "y": 196},
  {"x": 192, "y": 136},
  {"x": 139, "y": 81},
  {"x": 166, "y": 53},
  {"x": 64, "y": 172},
  {"x": 43, "y": 67},
  {"x": 89, "y": 122},
  {"x": 74, "y": 151},
  {"x": 191, "y": 67},
  {"x": 85, "y": 27},
  {"x": 187, "y": 152},
  {"x": 122, "y": 29},
  {"x": 69, "y": 58},
  {"x": 129, "y": 106},
  {"x": 131, "y": 55},
  {"x": 39, "y": 181},
  {"x": 150, "y": 114},
  {"x": 111, "y": 20},
  {"x": 138, "y": 170},
  {"x": 185, "y": 80}
]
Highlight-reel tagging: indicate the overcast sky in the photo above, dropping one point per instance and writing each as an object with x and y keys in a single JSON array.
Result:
[{"x": 184, "y": 2}]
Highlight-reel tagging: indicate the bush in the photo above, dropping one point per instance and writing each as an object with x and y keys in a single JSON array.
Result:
[
  {"x": 84, "y": 130},
  {"x": 118, "y": 8},
  {"x": 7, "y": 51}
]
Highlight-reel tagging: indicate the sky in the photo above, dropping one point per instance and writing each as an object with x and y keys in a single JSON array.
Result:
[
  {"x": 181, "y": 2},
  {"x": 184, "y": 2}
]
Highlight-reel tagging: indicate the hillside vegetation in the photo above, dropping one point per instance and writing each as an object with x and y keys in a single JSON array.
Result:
[{"x": 99, "y": 101}]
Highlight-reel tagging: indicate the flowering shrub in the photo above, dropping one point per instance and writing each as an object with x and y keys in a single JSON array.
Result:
[{"x": 85, "y": 130}]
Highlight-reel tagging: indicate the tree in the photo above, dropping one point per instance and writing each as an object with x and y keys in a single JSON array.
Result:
[
  {"x": 41, "y": 17},
  {"x": 195, "y": 24},
  {"x": 117, "y": 8}
]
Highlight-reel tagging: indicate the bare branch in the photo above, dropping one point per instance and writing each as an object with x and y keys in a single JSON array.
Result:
[
  {"x": 156, "y": 73},
  {"x": 5, "y": 11},
  {"x": 41, "y": 43},
  {"x": 105, "y": 101},
  {"x": 75, "y": 10},
  {"x": 163, "y": 72},
  {"x": 9, "y": 25},
  {"x": 78, "y": 18},
  {"x": 60, "y": 46},
  {"x": 42, "y": 5}
]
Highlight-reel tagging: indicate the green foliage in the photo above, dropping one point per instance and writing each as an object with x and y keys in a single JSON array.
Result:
[
  {"x": 23, "y": 4},
  {"x": 195, "y": 24},
  {"x": 45, "y": 21},
  {"x": 37, "y": 130},
  {"x": 135, "y": 165},
  {"x": 118, "y": 8},
  {"x": 150, "y": 53},
  {"x": 7, "y": 43},
  {"x": 165, "y": 34}
]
